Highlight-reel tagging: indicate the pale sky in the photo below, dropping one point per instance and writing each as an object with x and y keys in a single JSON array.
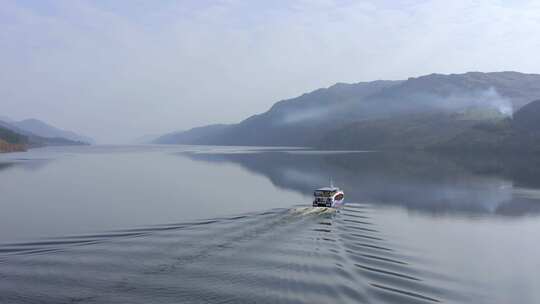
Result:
[{"x": 116, "y": 70}]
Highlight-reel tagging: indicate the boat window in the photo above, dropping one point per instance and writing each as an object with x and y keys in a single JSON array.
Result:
[{"x": 324, "y": 193}]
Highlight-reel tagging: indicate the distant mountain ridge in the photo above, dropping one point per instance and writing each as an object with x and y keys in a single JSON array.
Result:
[
  {"x": 40, "y": 128},
  {"x": 417, "y": 113},
  {"x": 18, "y": 136},
  {"x": 191, "y": 135},
  {"x": 296, "y": 117},
  {"x": 6, "y": 119}
]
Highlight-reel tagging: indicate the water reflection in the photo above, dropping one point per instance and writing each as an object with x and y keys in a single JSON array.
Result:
[
  {"x": 5, "y": 166},
  {"x": 25, "y": 164},
  {"x": 144, "y": 225},
  {"x": 428, "y": 183}
]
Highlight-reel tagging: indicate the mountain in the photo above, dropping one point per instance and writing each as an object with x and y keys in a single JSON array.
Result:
[
  {"x": 525, "y": 128},
  {"x": 6, "y": 119},
  {"x": 423, "y": 112},
  {"x": 502, "y": 90},
  {"x": 444, "y": 132},
  {"x": 11, "y": 141},
  {"x": 192, "y": 136},
  {"x": 12, "y": 137},
  {"x": 42, "y": 129},
  {"x": 526, "y": 120},
  {"x": 408, "y": 131},
  {"x": 293, "y": 122},
  {"x": 519, "y": 133},
  {"x": 31, "y": 140}
]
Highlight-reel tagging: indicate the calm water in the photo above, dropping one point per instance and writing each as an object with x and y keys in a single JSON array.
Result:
[{"x": 232, "y": 225}]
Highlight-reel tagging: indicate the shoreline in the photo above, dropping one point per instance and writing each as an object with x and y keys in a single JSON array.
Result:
[{"x": 6, "y": 147}]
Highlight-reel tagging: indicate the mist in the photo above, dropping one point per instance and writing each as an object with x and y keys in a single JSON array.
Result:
[{"x": 119, "y": 70}]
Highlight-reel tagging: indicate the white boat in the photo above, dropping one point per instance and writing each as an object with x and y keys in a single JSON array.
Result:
[{"x": 328, "y": 197}]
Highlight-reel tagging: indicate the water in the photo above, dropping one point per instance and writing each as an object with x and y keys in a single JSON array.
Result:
[{"x": 232, "y": 225}]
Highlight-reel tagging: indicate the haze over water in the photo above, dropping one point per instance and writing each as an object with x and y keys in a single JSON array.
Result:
[{"x": 111, "y": 224}]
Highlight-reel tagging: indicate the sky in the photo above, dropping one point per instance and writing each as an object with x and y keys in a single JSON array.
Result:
[{"x": 117, "y": 70}]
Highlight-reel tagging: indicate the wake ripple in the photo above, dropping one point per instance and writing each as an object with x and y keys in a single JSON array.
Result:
[{"x": 299, "y": 255}]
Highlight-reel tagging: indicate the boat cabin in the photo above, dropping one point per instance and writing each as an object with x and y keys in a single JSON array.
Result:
[
  {"x": 326, "y": 192},
  {"x": 327, "y": 197}
]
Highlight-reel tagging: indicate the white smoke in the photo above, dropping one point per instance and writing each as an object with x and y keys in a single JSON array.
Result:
[
  {"x": 488, "y": 98},
  {"x": 493, "y": 99},
  {"x": 482, "y": 101},
  {"x": 305, "y": 115}
]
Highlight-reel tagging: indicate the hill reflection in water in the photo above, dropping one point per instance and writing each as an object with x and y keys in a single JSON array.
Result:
[{"x": 428, "y": 183}]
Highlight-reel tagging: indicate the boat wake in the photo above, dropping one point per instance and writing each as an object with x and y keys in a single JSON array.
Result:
[
  {"x": 312, "y": 210},
  {"x": 298, "y": 255}
]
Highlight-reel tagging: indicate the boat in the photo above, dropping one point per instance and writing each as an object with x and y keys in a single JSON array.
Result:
[{"x": 328, "y": 197}]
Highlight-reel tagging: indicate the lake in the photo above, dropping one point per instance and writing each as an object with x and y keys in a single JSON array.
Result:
[{"x": 196, "y": 224}]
